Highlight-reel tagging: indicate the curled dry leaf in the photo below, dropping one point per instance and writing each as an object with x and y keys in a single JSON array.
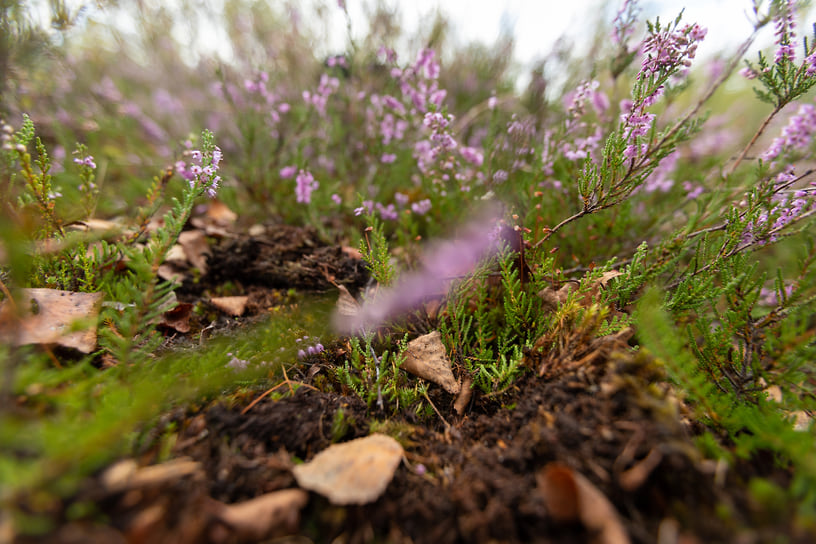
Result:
[
  {"x": 196, "y": 248},
  {"x": 570, "y": 497},
  {"x": 219, "y": 213},
  {"x": 47, "y": 317},
  {"x": 355, "y": 472},
  {"x": 634, "y": 477},
  {"x": 268, "y": 516},
  {"x": 465, "y": 394},
  {"x": 126, "y": 474},
  {"x": 427, "y": 358},
  {"x": 234, "y": 306},
  {"x": 178, "y": 318}
]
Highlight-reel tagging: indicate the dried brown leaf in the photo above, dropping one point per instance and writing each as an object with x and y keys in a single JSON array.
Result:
[
  {"x": 220, "y": 213},
  {"x": 234, "y": 306},
  {"x": 126, "y": 474},
  {"x": 270, "y": 515},
  {"x": 196, "y": 248},
  {"x": 427, "y": 358},
  {"x": 47, "y": 316},
  {"x": 178, "y": 318},
  {"x": 634, "y": 477},
  {"x": 355, "y": 472},
  {"x": 569, "y": 497},
  {"x": 465, "y": 394},
  {"x": 346, "y": 305}
]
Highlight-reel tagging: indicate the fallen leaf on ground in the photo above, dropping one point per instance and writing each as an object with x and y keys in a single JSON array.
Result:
[
  {"x": 355, "y": 472},
  {"x": 178, "y": 318},
  {"x": 220, "y": 213},
  {"x": 126, "y": 474},
  {"x": 196, "y": 248},
  {"x": 270, "y": 515},
  {"x": 570, "y": 497},
  {"x": 234, "y": 306},
  {"x": 427, "y": 358},
  {"x": 465, "y": 394},
  {"x": 634, "y": 477},
  {"x": 47, "y": 316}
]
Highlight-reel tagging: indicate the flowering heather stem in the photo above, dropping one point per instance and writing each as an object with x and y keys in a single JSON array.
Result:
[{"x": 732, "y": 65}]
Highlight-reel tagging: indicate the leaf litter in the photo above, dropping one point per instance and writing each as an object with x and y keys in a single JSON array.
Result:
[{"x": 545, "y": 461}]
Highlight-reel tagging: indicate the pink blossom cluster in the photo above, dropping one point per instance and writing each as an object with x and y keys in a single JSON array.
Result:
[
  {"x": 623, "y": 25},
  {"x": 320, "y": 98},
  {"x": 789, "y": 205},
  {"x": 659, "y": 179},
  {"x": 797, "y": 134},
  {"x": 785, "y": 32},
  {"x": 87, "y": 160},
  {"x": 670, "y": 48},
  {"x": 311, "y": 349},
  {"x": 266, "y": 101},
  {"x": 575, "y": 147},
  {"x": 419, "y": 82},
  {"x": 305, "y": 185},
  {"x": 201, "y": 171}
]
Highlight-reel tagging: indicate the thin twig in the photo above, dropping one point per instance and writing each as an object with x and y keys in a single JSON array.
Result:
[
  {"x": 756, "y": 136},
  {"x": 286, "y": 381}
]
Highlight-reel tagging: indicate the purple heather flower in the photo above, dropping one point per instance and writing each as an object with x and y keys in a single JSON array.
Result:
[
  {"x": 305, "y": 185},
  {"x": 367, "y": 207},
  {"x": 492, "y": 102},
  {"x": 472, "y": 155},
  {"x": 692, "y": 190},
  {"x": 388, "y": 213},
  {"x": 624, "y": 22},
  {"x": 670, "y": 49},
  {"x": 388, "y": 158},
  {"x": 85, "y": 161},
  {"x": 748, "y": 73},
  {"x": 402, "y": 199},
  {"x": 422, "y": 207},
  {"x": 287, "y": 172},
  {"x": 336, "y": 199},
  {"x": 797, "y": 134},
  {"x": 394, "y": 104},
  {"x": 784, "y": 30},
  {"x": 659, "y": 179},
  {"x": 444, "y": 261}
]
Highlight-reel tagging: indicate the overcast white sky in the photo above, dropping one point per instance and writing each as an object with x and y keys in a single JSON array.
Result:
[{"x": 537, "y": 24}]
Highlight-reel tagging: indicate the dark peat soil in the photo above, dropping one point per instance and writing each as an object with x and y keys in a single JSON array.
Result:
[{"x": 505, "y": 470}]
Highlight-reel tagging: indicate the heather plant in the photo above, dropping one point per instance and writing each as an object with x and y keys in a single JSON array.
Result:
[{"x": 628, "y": 207}]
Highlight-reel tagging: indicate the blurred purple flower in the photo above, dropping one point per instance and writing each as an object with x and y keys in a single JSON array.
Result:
[
  {"x": 444, "y": 261},
  {"x": 784, "y": 30},
  {"x": 287, "y": 172},
  {"x": 422, "y": 207},
  {"x": 797, "y": 134},
  {"x": 305, "y": 185}
]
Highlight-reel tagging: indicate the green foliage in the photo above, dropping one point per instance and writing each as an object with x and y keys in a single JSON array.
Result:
[
  {"x": 377, "y": 378},
  {"x": 375, "y": 252},
  {"x": 755, "y": 424},
  {"x": 488, "y": 328}
]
